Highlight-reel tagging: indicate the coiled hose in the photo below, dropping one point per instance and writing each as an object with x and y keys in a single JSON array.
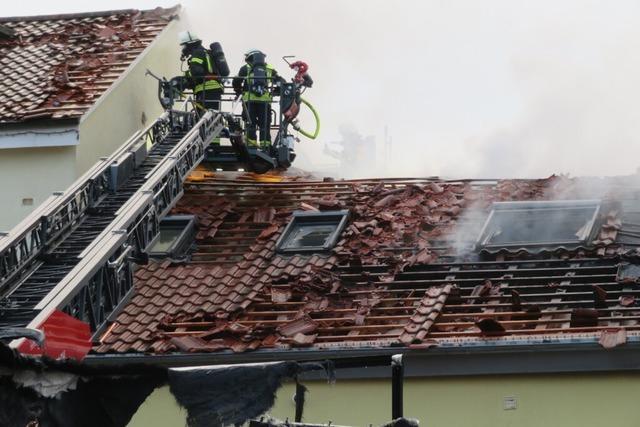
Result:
[{"x": 316, "y": 116}]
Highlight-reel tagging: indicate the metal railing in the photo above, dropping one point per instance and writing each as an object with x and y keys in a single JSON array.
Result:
[
  {"x": 103, "y": 278},
  {"x": 59, "y": 214},
  {"x": 230, "y": 103}
]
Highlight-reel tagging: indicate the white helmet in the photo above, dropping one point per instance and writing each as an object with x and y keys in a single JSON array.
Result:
[{"x": 186, "y": 37}]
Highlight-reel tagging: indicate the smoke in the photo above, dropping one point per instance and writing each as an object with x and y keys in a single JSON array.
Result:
[
  {"x": 498, "y": 88},
  {"x": 354, "y": 152},
  {"x": 612, "y": 193},
  {"x": 467, "y": 89}
]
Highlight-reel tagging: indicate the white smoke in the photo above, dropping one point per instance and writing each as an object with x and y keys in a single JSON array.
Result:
[{"x": 467, "y": 89}]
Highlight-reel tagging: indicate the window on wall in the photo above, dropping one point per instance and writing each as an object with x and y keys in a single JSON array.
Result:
[
  {"x": 535, "y": 224},
  {"x": 176, "y": 236},
  {"x": 312, "y": 231}
]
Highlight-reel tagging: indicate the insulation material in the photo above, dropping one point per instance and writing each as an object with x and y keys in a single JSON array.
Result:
[
  {"x": 98, "y": 402},
  {"x": 64, "y": 393},
  {"x": 46, "y": 384}
]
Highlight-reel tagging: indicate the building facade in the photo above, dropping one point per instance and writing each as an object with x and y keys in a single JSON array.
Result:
[{"x": 73, "y": 90}]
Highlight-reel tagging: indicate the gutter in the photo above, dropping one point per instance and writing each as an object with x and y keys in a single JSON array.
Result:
[
  {"x": 229, "y": 357},
  {"x": 549, "y": 358}
]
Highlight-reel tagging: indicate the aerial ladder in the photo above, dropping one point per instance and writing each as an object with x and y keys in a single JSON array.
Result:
[{"x": 77, "y": 252}]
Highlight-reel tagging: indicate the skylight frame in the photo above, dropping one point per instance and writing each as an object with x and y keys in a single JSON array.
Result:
[
  {"x": 338, "y": 219},
  {"x": 183, "y": 240},
  {"x": 484, "y": 238}
]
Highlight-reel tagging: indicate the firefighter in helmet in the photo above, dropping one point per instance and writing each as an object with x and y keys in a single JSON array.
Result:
[
  {"x": 257, "y": 82},
  {"x": 205, "y": 70}
]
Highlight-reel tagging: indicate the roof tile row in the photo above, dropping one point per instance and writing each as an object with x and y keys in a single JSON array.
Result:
[{"x": 397, "y": 276}]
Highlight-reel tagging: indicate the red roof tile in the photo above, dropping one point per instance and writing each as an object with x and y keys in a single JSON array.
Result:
[
  {"x": 58, "y": 66},
  {"x": 395, "y": 278}
]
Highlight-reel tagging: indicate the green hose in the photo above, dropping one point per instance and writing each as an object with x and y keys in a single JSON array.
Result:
[{"x": 313, "y": 135}]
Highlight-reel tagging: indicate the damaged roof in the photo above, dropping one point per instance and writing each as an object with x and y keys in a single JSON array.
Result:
[
  {"x": 57, "y": 66},
  {"x": 404, "y": 272}
]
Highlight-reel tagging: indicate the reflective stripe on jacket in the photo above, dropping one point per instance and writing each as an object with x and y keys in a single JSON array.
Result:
[{"x": 209, "y": 81}]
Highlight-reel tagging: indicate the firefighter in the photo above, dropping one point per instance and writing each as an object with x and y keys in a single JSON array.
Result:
[
  {"x": 256, "y": 81},
  {"x": 203, "y": 74}
]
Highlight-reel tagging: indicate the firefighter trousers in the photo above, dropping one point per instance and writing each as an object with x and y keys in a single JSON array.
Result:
[{"x": 257, "y": 116}]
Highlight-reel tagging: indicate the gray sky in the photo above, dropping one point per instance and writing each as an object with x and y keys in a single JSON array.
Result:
[{"x": 468, "y": 89}]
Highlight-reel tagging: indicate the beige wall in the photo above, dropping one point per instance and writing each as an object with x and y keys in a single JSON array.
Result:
[
  {"x": 159, "y": 410},
  {"x": 31, "y": 173},
  {"x": 542, "y": 400},
  {"x": 119, "y": 113}
]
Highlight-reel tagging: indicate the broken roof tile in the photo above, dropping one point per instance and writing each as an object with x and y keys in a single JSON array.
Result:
[
  {"x": 610, "y": 338},
  {"x": 303, "y": 325},
  {"x": 302, "y": 340},
  {"x": 78, "y": 57},
  {"x": 395, "y": 278}
]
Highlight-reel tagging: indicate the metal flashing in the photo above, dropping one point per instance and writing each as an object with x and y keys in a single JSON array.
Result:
[{"x": 434, "y": 362}]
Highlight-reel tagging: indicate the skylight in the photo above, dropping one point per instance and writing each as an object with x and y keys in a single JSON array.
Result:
[
  {"x": 312, "y": 231},
  {"x": 536, "y": 224},
  {"x": 176, "y": 236}
]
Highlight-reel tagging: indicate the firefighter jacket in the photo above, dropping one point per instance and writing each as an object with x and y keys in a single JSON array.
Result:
[
  {"x": 202, "y": 72},
  {"x": 244, "y": 81}
]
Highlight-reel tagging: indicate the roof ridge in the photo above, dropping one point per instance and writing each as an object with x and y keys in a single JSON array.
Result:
[{"x": 94, "y": 14}]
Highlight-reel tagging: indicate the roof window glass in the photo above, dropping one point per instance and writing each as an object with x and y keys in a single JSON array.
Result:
[
  {"x": 176, "y": 236},
  {"x": 535, "y": 224},
  {"x": 312, "y": 231}
]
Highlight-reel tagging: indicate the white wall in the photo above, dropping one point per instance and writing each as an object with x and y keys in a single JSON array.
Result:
[
  {"x": 28, "y": 176},
  {"x": 118, "y": 114}
]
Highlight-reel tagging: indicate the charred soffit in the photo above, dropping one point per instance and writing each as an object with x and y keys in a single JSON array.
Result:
[{"x": 536, "y": 226}]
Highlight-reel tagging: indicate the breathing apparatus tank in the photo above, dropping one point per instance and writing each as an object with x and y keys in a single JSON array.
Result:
[{"x": 219, "y": 60}]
